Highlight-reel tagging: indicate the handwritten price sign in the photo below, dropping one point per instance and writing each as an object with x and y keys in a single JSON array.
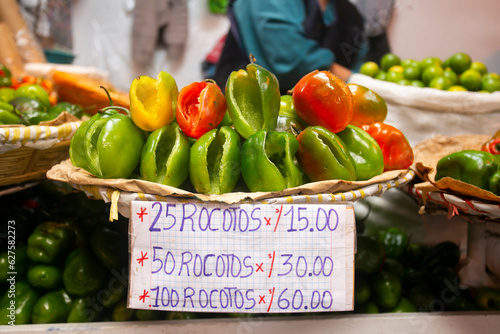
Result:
[{"x": 254, "y": 258}]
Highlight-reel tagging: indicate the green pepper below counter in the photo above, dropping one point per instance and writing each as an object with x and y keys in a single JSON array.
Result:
[
  {"x": 83, "y": 310},
  {"x": 25, "y": 297},
  {"x": 45, "y": 277},
  {"x": 386, "y": 289},
  {"x": 49, "y": 242},
  {"x": 52, "y": 307},
  {"x": 83, "y": 273}
]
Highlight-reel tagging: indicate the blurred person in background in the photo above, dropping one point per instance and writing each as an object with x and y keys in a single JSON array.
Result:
[{"x": 294, "y": 37}]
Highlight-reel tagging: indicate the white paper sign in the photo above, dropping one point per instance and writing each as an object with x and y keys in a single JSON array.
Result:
[{"x": 247, "y": 258}]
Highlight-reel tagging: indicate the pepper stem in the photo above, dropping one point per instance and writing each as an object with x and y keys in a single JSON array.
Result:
[
  {"x": 109, "y": 97},
  {"x": 252, "y": 58}
]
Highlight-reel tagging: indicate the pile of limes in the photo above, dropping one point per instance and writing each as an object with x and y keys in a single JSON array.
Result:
[{"x": 457, "y": 73}]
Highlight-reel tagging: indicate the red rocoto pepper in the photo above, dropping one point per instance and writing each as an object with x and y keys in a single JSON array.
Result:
[
  {"x": 396, "y": 149},
  {"x": 493, "y": 145},
  {"x": 201, "y": 106}
]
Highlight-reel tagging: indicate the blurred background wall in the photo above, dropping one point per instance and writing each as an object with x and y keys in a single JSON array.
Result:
[{"x": 102, "y": 35}]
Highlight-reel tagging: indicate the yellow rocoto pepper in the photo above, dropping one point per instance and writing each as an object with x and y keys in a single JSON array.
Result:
[{"x": 153, "y": 101}]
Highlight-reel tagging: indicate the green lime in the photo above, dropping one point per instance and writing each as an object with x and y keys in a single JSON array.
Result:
[
  {"x": 478, "y": 66},
  {"x": 470, "y": 79},
  {"x": 404, "y": 82},
  {"x": 394, "y": 76},
  {"x": 491, "y": 83},
  {"x": 396, "y": 68},
  {"x": 456, "y": 88},
  {"x": 460, "y": 62},
  {"x": 431, "y": 72},
  {"x": 426, "y": 62},
  {"x": 409, "y": 62},
  {"x": 483, "y": 91},
  {"x": 441, "y": 83},
  {"x": 388, "y": 60},
  {"x": 381, "y": 75},
  {"x": 369, "y": 68},
  {"x": 412, "y": 72},
  {"x": 450, "y": 75},
  {"x": 446, "y": 63},
  {"x": 417, "y": 83},
  {"x": 493, "y": 75}
]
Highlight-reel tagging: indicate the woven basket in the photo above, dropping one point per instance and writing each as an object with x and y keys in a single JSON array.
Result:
[{"x": 27, "y": 153}]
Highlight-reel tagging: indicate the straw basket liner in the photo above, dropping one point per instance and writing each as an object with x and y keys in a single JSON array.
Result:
[{"x": 28, "y": 152}]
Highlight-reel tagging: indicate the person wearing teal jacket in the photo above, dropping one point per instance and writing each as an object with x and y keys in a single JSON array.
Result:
[{"x": 291, "y": 38}]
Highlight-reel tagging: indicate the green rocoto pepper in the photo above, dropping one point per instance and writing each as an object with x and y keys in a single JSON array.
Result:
[
  {"x": 117, "y": 290},
  {"x": 49, "y": 242},
  {"x": 83, "y": 311},
  {"x": 34, "y": 91},
  {"x": 323, "y": 156},
  {"x": 30, "y": 110},
  {"x": 70, "y": 108},
  {"x": 288, "y": 120},
  {"x": 18, "y": 313},
  {"x": 52, "y": 307},
  {"x": 394, "y": 242},
  {"x": 386, "y": 289},
  {"x": 214, "y": 164},
  {"x": 479, "y": 168},
  {"x": 7, "y": 115},
  {"x": 121, "y": 312},
  {"x": 77, "y": 146},
  {"x": 404, "y": 305},
  {"x": 268, "y": 161},
  {"x": 362, "y": 289},
  {"x": 149, "y": 315},
  {"x": 113, "y": 255},
  {"x": 7, "y": 94},
  {"x": 368, "y": 307},
  {"x": 45, "y": 277},
  {"x": 165, "y": 156},
  {"x": 83, "y": 273},
  {"x": 253, "y": 99},
  {"x": 364, "y": 150},
  {"x": 113, "y": 146},
  {"x": 20, "y": 263},
  {"x": 369, "y": 254}
]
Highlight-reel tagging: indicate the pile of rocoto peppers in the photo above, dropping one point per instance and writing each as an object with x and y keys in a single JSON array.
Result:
[{"x": 207, "y": 140}]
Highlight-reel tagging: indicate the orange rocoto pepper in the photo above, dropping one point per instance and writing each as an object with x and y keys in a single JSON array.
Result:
[
  {"x": 396, "y": 149},
  {"x": 492, "y": 145}
]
